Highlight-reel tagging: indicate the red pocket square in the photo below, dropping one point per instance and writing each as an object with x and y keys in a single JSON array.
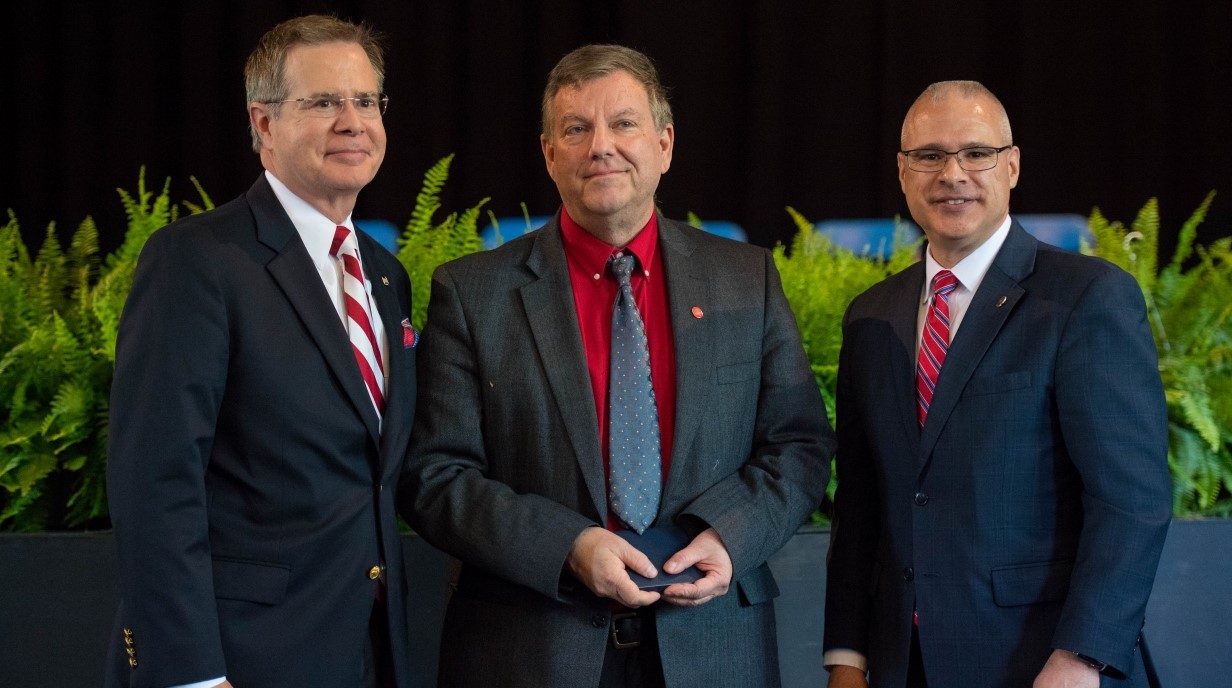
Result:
[{"x": 410, "y": 338}]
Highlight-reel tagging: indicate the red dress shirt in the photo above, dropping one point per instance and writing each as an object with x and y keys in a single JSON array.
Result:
[{"x": 594, "y": 295}]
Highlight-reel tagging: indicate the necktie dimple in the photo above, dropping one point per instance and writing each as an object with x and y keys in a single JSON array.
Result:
[
  {"x": 935, "y": 342},
  {"x": 358, "y": 316},
  {"x": 633, "y": 420}
]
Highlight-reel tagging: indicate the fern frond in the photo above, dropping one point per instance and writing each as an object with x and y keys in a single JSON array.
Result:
[
  {"x": 1189, "y": 230},
  {"x": 206, "y": 205},
  {"x": 47, "y": 291},
  {"x": 428, "y": 200},
  {"x": 424, "y": 246},
  {"x": 802, "y": 223},
  {"x": 1144, "y": 253}
]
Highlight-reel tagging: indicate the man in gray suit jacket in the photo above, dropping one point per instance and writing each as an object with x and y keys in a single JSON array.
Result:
[
  {"x": 997, "y": 523},
  {"x": 508, "y": 470}
]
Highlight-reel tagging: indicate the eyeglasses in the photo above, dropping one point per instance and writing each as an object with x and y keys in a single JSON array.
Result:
[
  {"x": 973, "y": 159},
  {"x": 368, "y": 107}
]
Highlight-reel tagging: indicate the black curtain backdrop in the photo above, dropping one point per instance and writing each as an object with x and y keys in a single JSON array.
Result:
[{"x": 776, "y": 103}]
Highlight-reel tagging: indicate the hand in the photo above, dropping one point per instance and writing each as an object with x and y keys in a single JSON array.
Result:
[
  {"x": 708, "y": 554},
  {"x": 599, "y": 559},
  {"x": 843, "y": 676},
  {"x": 1064, "y": 670}
]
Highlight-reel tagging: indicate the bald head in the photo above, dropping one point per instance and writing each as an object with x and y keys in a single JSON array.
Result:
[{"x": 970, "y": 90}]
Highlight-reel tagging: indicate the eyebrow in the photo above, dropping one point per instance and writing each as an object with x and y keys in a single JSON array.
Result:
[
  {"x": 969, "y": 144},
  {"x": 626, "y": 113},
  {"x": 335, "y": 94}
]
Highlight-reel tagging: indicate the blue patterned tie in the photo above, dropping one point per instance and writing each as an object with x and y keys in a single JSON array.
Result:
[{"x": 633, "y": 420}]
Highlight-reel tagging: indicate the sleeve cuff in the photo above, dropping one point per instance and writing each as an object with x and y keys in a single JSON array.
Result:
[
  {"x": 203, "y": 684},
  {"x": 846, "y": 658}
]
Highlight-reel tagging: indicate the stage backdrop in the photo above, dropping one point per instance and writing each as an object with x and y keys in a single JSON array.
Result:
[{"x": 776, "y": 103}]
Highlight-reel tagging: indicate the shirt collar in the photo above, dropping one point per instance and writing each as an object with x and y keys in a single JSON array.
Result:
[
  {"x": 970, "y": 271},
  {"x": 590, "y": 254},
  {"x": 316, "y": 230}
]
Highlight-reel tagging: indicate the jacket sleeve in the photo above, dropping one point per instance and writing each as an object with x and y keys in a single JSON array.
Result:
[
  {"x": 447, "y": 492},
  {"x": 757, "y": 508},
  {"x": 170, "y": 372},
  {"x": 1113, "y": 418}
]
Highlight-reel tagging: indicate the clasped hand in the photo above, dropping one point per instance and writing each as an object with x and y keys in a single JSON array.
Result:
[{"x": 599, "y": 559}]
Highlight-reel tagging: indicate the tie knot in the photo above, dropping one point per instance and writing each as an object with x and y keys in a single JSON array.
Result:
[
  {"x": 343, "y": 241},
  {"x": 944, "y": 282},
  {"x": 622, "y": 265}
]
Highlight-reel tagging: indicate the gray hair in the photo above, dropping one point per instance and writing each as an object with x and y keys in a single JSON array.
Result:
[
  {"x": 939, "y": 91},
  {"x": 265, "y": 79},
  {"x": 595, "y": 61}
]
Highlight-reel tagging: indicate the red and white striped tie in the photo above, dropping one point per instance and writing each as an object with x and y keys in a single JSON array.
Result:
[
  {"x": 934, "y": 343},
  {"x": 358, "y": 316}
]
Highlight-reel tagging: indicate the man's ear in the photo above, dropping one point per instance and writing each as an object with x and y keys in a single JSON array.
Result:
[{"x": 259, "y": 117}]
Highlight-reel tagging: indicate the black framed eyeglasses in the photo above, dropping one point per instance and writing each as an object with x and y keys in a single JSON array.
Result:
[
  {"x": 367, "y": 106},
  {"x": 973, "y": 159}
]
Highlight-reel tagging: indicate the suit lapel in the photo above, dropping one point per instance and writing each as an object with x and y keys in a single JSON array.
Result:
[
  {"x": 292, "y": 268},
  {"x": 904, "y": 321},
  {"x": 548, "y": 301},
  {"x": 998, "y": 293},
  {"x": 398, "y": 395},
  {"x": 687, "y": 286}
]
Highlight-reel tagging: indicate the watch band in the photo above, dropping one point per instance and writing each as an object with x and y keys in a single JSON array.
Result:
[{"x": 1091, "y": 661}]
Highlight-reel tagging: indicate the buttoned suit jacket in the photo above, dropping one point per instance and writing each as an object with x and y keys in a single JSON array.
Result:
[
  {"x": 506, "y": 467},
  {"x": 247, "y": 473},
  {"x": 1030, "y": 510}
]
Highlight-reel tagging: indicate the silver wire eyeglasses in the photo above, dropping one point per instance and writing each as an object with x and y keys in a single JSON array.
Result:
[
  {"x": 368, "y": 106},
  {"x": 973, "y": 159}
]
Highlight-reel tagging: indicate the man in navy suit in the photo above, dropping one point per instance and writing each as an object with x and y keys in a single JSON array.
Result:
[
  {"x": 252, "y": 463},
  {"x": 509, "y": 465},
  {"x": 998, "y": 523}
]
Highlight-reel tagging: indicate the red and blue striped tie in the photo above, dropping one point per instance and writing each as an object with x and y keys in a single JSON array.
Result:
[{"x": 934, "y": 343}]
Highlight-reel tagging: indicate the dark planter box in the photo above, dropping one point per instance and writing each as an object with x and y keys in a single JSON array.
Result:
[{"x": 58, "y": 596}]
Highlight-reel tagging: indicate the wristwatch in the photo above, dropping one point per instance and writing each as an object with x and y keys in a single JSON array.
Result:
[{"x": 1091, "y": 661}]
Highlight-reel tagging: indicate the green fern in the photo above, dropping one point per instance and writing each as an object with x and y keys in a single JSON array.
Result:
[
  {"x": 428, "y": 200},
  {"x": 820, "y": 279},
  {"x": 57, "y": 348},
  {"x": 1190, "y": 309},
  {"x": 424, "y": 246}
]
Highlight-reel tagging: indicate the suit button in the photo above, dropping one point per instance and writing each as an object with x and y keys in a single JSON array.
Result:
[
  {"x": 908, "y": 574},
  {"x": 374, "y": 573},
  {"x": 921, "y": 499},
  {"x": 132, "y": 662},
  {"x": 598, "y": 621}
]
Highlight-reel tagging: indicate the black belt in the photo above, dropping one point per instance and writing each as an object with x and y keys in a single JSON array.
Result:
[{"x": 625, "y": 631}]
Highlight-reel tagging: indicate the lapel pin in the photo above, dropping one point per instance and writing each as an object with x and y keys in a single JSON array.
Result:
[
  {"x": 697, "y": 312},
  {"x": 384, "y": 280},
  {"x": 1000, "y": 302}
]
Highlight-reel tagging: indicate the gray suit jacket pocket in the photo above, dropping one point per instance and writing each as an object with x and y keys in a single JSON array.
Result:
[
  {"x": 250, "y": 581},
  {"x": 1031, "y": 583},
  {"x": 737, "y": 372}
]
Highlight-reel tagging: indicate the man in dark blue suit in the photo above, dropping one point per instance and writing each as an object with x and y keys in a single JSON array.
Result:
[
  {"x": 262, "y": 404},
  {"x": 1003, "y": 484}
]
